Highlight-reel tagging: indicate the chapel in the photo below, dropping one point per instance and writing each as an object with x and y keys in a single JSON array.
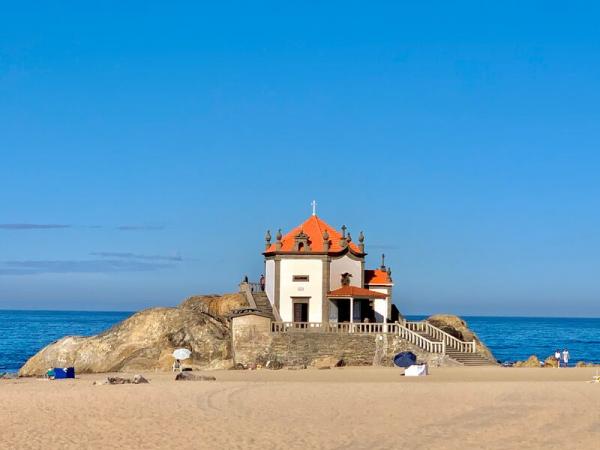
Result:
[{"x": 317, "y": 274}]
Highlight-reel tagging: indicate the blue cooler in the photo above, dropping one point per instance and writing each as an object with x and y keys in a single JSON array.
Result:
[{"x": 62, "y": 373}]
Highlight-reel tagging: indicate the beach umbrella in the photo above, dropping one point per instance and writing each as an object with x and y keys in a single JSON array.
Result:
[
  {"x": 405, "y": 359},
  {"x": 182, "y": 353}
]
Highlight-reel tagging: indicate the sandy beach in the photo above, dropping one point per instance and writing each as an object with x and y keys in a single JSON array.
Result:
[{"x": 349, "y": 407}]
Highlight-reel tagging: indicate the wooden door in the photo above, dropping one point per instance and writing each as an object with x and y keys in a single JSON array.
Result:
[{"x": 300, "y": 312}]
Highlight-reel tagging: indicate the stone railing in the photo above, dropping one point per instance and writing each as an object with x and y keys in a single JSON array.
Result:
[
  {"x": 332, "y": 327},
  {"x": 255, "y": 287},
  {"x": 440, "y": 335},
  {"x": 246, "y": 289},
  {"x": 420, "y": 341}
]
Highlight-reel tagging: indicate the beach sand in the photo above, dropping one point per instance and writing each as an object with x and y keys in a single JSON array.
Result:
[{"x": 350, "y": 407}]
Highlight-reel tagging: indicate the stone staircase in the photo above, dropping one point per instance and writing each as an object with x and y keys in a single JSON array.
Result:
[
  {"x": 469, "y": 359},
  {"x": 263, "y": 304},
  {"x": 257, "y": 300},
  {"x": 466, "y": 358}
]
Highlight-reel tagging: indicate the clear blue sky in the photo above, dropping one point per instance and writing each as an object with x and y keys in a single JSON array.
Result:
[{"x": 162, "y": 140}]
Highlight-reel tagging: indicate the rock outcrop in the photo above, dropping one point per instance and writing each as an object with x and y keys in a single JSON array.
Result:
[
  {"x": 216, "y": 305},
  {"x": 586, "y": 364},
  {"x": 145, "y": 341},
  {"x": 550, "y": 362},
  {"x": 328, "y": 362},
  {"x": 190, "y": 376},
  {"x": 458, "y": 328},
  {"x": 532, "y": 361}
]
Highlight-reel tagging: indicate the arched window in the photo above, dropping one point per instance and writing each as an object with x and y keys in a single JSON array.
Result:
[{"x": 300, "y": 246}]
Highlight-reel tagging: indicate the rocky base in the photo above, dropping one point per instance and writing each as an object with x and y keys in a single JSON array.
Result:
[
  {"x": 457, "y": 327},
  {"x": 146, "y": 341},
  {"x": 143, "y": 342}
]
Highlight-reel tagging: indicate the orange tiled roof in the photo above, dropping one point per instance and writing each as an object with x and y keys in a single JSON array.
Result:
[
  {"x": 314, "y": 227},
  {"x": 355, "y": 292},
  {"x": 377, "y": 276}
]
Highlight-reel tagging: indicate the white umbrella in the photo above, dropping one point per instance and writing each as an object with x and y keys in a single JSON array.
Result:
[{"x": 182, "y": 353}]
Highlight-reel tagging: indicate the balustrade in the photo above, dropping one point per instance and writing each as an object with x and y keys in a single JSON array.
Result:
[{"x": 409, "y": 331}]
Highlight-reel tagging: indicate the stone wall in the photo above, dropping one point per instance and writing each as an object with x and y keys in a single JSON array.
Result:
[
  {"x": 298, "y": 348},
  {"x": 250, "y": 337},
  {"x": 252, "y": 343}
]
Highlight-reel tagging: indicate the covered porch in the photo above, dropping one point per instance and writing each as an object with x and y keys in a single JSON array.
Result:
[{"x": 352, "y": 305}]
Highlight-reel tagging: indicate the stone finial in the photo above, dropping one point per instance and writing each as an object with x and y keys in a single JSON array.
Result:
[
  {"x": 349, "y": 238},
  {"x": 361, "y": 242},
  {"x": 278, "y": 236},
  {"x": 389, "y": 272},
  {"x": 268, "y": 239},
  {"x": 325, "y": 240},
  {"x": 343, "y": 240},
  {"x": 382, "y": 261}
]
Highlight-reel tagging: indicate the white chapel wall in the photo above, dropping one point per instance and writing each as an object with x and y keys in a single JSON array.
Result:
[
  {"x": 270, "y": 279},
  {"x": 343, "y": 265},
  {"x": 382, "y": 307},
  {"x": 312, "y": 288}
]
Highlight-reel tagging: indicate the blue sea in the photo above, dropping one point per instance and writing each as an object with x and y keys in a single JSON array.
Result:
[{"x": 24, "y": 333}]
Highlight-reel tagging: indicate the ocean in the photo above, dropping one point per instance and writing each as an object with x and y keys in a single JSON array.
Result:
[{"x": 24, "y": 333}]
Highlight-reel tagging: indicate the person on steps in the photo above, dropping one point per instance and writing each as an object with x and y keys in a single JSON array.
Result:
[{"x": 262, "y": 283}]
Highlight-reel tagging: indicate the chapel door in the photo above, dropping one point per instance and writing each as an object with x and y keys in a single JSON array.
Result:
[{"x": 300, "y": 312}]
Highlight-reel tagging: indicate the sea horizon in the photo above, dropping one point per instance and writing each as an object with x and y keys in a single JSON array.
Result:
[
  {"x": 510, "y": 338},
  {"x": 418, "y": 316}
]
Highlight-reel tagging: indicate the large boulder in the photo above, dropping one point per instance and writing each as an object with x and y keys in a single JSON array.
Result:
[
  {"x": 457, "y": 327},
  {"x": 216, "y": 305},
  {"x": 143, "y": 342}
]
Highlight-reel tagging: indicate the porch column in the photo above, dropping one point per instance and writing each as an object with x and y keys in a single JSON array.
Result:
[
  {"x": 387, "y": 304},
  {"x": 351, "y": 314}
]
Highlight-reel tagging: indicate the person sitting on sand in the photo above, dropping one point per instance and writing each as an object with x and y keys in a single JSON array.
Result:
[
  {"x": 565, "y": 357},
  {"x": 177, "y": 366},
  {"x": 557, "y": 358}
]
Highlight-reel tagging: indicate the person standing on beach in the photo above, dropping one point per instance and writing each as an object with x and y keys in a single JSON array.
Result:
[
  {"x": 565, "y": 355},
  {"x": 557, "y": 358}
]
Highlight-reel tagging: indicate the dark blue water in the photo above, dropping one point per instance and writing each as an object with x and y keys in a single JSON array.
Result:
[
  {"x": 517, "y": 338},
  {"x": 24, "y": 333}
]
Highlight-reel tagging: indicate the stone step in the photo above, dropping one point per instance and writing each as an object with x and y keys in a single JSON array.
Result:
[
  {"x": 262, "y": 303},
  {"x": 469, "y": 359}
]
